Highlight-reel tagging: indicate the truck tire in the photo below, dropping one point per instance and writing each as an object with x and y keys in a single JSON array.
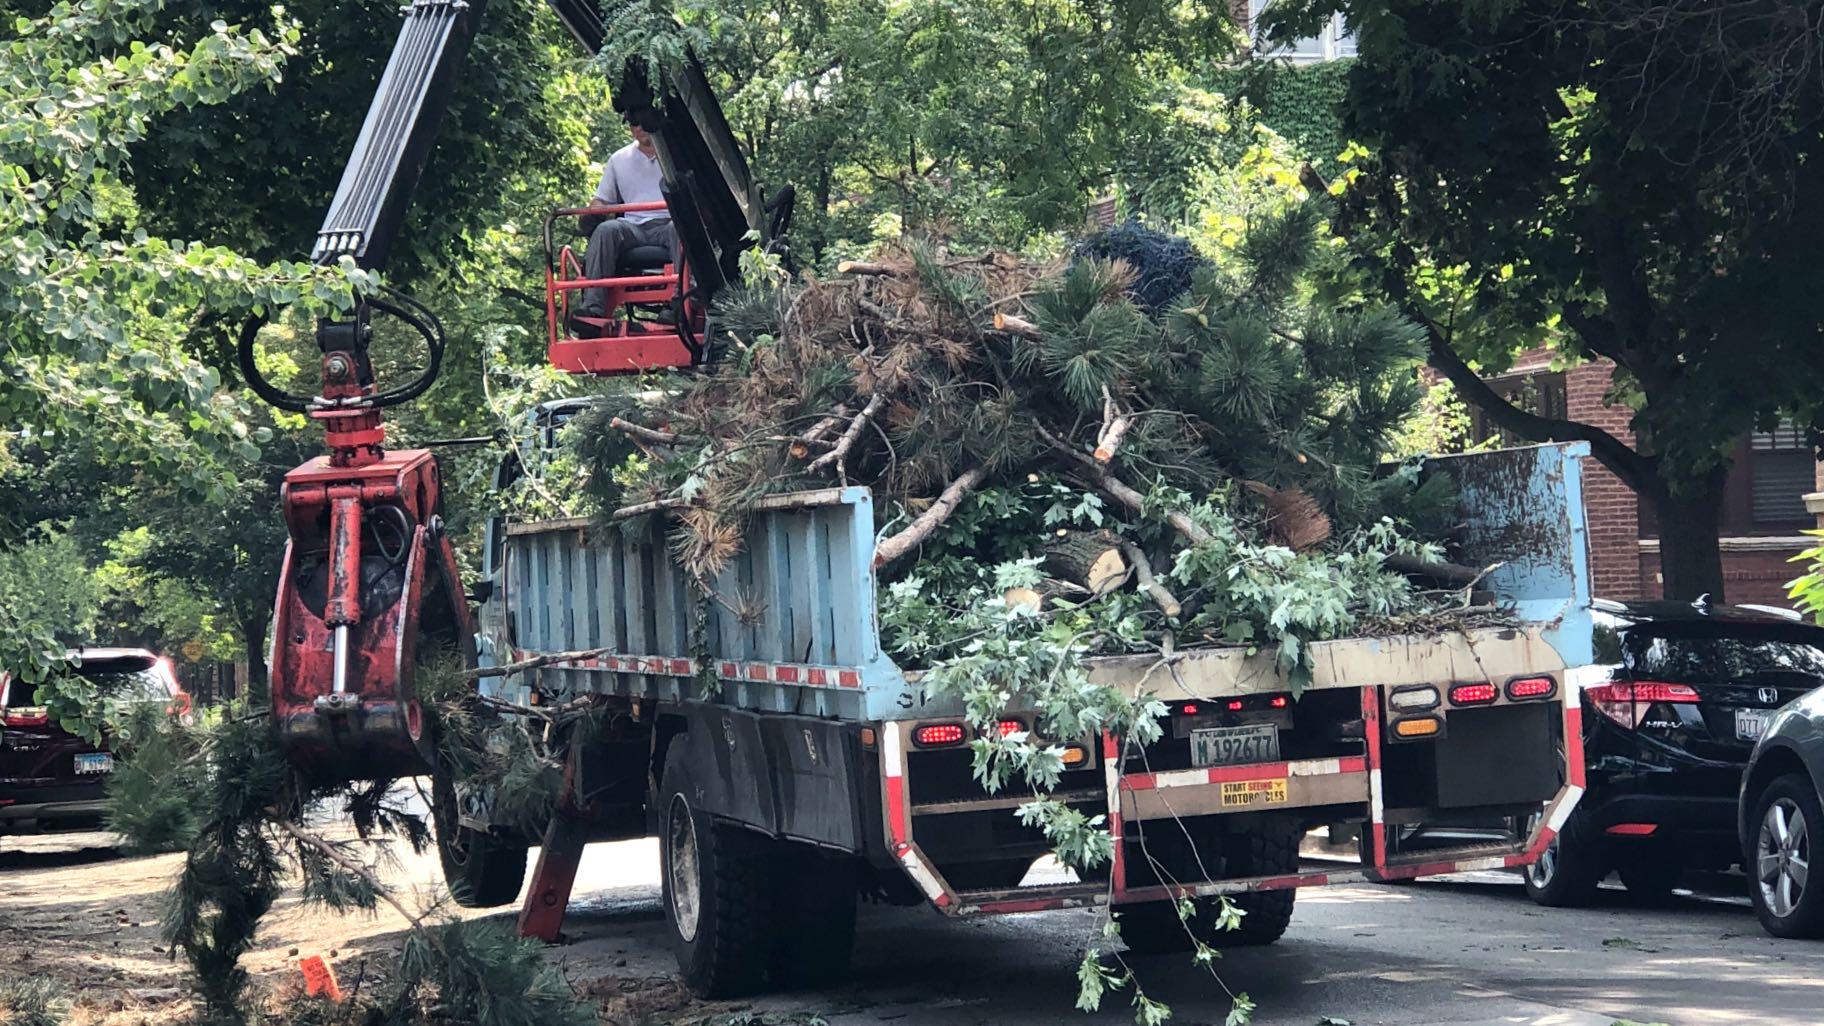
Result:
[
  {"x": 482, "y": 869},
  {"x": 1567, "y": 874},
  {"x": 1269, "y": 849},
  {"x": 715, "y": 893},
  {"x": 813, "y": 922}
]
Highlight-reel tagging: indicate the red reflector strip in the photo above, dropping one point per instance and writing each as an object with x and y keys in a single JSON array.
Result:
[
  {"x": 1472, "y": 694},
  {"x": 1632, "y": 829},
  {"x": 938, "y": 734},
  {"x": 1531, "y": 687},
  {"x": 1656, "y": 691}
]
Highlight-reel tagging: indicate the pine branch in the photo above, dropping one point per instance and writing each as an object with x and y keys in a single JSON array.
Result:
[
  {"x": 349, "y": 865},
  {"x": 1015, "y": 325},
  {"x": 931, "y": 519},
  {"x": 866, "y": 268}
]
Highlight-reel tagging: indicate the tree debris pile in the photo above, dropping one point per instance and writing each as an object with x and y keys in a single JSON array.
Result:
[{"x": 1208, "y": 464}]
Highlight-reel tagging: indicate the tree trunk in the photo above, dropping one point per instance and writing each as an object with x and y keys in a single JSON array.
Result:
[
  {"x": 253, "y": 640},
  {"x": 1690, "y": 558},
  {"x": 1090, "y": 558}
]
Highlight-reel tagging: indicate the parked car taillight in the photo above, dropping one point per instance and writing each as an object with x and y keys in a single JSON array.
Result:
[
  {"x": 27, "y": 716},
  {"x": 1626, "y": 702}
]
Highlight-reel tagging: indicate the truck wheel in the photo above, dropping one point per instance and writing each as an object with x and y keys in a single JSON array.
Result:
[
  {"x": 481, "y": 869},
  {"x": 1566, "y": 874},
  {"x": 1270, "y": 849},
  {"x": 813, "y": 921},
  {"x": 1779, "y": 858},
  {"x": 714, "y": 889}
]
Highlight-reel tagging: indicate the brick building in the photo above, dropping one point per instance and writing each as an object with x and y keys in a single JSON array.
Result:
[{"x": 1764, "y": 504}]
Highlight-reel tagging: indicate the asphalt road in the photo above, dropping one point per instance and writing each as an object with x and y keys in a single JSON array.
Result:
[{"x": 1460, "y": 950}]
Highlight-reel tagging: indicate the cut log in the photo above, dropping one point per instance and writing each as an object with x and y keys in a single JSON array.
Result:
[
  {"x": 1143, "y": 577},
  {"x": 1029, "y": 599},
  {"x": 1417, "y": 567},
  {"x": 1090, "y": 558}
]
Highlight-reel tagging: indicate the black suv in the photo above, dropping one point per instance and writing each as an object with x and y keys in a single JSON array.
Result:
[
  {"x": 1668, "y": 725},
  {"x": 51, "y": 779}
]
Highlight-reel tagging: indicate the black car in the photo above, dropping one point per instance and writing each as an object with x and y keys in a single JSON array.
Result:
[
  {"x": 1668, "y": 727},
  {"x": 1780, "y": 815},
  {"x": 51, "y": 779}
]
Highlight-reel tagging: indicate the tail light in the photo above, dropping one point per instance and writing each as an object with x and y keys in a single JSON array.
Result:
[
  {"x": 1531, "y": 687},
  {"x": 180, "y": 704},
  {"x": 934, "y": 735},
  {"x": 1008, "y": 728},
  {"x": 1627, "y": 702},
  {"x": 1473, "y": 694},
  {"x": 28, "y": 716},
  {"x": 1074, "y": 755}
]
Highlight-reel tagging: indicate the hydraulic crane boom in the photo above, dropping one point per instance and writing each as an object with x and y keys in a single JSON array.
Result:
[{"x": 370, "y": 586}]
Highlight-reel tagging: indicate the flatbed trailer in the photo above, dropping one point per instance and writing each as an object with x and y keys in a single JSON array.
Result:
[{"x": 787, "y": 763}]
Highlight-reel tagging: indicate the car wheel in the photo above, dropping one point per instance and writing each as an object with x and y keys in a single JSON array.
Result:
[
  {"x": 1779, "y": 858},
  {"x": 1565, "y": 875},
  {"x": 1650, "y": 875}
]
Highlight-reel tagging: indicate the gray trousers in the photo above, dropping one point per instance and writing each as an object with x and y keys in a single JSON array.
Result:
[{"x": 612, "y": 238}]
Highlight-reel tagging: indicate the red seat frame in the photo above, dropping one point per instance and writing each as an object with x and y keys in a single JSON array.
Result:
[{"x": 632, "y": 346}]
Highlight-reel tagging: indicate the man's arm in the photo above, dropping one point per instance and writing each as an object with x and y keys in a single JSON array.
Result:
[{"x": 609, "y": 191}]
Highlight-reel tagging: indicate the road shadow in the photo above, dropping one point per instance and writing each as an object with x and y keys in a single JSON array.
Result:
[
  {"x": 58, "y": 858},
  {"x": 1706, "y": 895}
]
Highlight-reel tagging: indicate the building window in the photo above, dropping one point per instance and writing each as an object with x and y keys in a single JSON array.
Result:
[
  {"x": 1539, "y": 393},
  {"x": 1337, "y": 40},
  {"x": 1781, "y": 469}
]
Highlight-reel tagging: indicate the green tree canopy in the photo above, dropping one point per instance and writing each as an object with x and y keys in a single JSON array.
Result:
[{"x": 1634, "y": 180}]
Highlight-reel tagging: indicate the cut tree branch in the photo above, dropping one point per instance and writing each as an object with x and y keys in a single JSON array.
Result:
[
  {"x": 840, "y": 454},
  {"x": 865, "y": 267},
  {"x": 1143, "y": 576},
  {"x": 1015, "y": 325},
  {"x": 1123, "y": 492},
  {"x": 931, "y": 519},
  {"x": 509, "y": 669},
  {"x": 644, "y": 433}
]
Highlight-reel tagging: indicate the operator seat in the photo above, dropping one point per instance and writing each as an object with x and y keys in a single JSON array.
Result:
[{"x": 644, "y": 260}]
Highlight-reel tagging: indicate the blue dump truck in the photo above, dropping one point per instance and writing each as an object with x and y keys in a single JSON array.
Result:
[{"x": 788, "y": 766}]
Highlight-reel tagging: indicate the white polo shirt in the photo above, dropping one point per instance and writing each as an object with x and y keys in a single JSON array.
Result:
[{"x": 632, "y": 177}]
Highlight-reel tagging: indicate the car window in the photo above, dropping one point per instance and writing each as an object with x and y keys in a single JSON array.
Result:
[
  {"x": 145, "y": 685},
  {"x": 1654, "y": 657}
]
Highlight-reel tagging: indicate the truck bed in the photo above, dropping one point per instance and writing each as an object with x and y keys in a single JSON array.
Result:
[{"x": 794, "y": 625}]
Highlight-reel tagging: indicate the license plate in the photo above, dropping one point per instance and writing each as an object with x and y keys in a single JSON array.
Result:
[
  {"x": 1234, "y": 746},
  {"x": 94, "y": 762},
  {"x": 1241, "y": 793},
  {"x": 1750, "y": 724}
]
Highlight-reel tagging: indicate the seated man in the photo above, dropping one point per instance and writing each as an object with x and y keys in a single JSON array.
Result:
[{"x": 630, "y": 176}]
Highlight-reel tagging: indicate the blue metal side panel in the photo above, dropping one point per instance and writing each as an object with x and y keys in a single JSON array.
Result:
[{"x": 1523, "y": 509}]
